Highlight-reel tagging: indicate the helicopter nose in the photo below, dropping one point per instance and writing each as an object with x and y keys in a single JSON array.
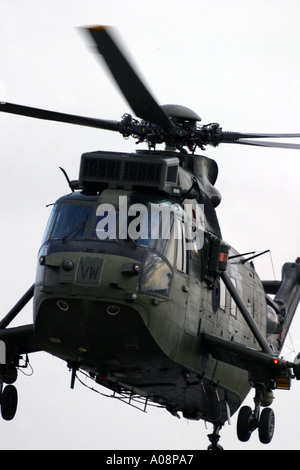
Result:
[
  {"x": 94, "y": 275},
  {"x": 78, "y": 292}
]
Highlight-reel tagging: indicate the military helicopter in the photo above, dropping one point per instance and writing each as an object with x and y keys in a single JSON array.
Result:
[{"x": 135, "y": 287}]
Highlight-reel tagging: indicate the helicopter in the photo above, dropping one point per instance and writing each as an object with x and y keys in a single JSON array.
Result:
[{"x": 135, "y": 287}]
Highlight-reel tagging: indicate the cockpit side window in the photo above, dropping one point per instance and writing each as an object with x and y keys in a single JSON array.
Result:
[
  {"x": 166, "y": 244},
  {"x": 49, "y": 224},
  {"x": 156, "y": 277}
]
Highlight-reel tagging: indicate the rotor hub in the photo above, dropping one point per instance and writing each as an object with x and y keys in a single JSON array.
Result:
[{"x": 180, "y": 112}]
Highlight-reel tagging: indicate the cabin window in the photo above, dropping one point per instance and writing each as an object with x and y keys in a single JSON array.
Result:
[
  {"x": 223, "y": 295},
  {"x": 181, "y": 261},
  {"x": 226, "y": 300}
]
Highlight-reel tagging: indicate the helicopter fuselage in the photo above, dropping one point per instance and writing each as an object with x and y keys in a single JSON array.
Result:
[{"x": 132, "y": 313}]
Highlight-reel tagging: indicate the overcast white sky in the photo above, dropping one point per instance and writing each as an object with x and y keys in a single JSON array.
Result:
[{"x": 233, "y": 62}]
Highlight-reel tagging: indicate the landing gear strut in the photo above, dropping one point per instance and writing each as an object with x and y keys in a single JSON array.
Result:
[{"x": 249, "y": 420}]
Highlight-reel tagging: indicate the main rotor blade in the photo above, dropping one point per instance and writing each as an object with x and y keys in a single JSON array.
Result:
[
  {"x": 233, "y": 136},
  {"x": 265, "y": 144},
  {"x": 59, "y": 117},
  {"x": 137, "y": 95}
]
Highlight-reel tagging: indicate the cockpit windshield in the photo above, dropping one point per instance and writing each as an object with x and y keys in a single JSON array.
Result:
[
  {"x": 72, "y": 222},
  {"x": 152, "y": 225},
  {"x": 112, "y": 225}
]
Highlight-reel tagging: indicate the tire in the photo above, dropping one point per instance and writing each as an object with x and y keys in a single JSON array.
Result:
[
  {"x": 266, "y": 426},
  {"x": 9, "y": 402},
  {"x": 244, "y": 430}
]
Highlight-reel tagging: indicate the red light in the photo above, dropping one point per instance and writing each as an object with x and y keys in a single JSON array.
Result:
[{"x": 275, "y": 361}]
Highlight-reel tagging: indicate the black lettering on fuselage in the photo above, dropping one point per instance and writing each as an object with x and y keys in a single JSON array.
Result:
[
  {"x": 89, "y": 272},
  {"x": 94, "y": 273}
]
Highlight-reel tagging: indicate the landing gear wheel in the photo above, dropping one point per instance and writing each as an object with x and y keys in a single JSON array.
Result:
[
  {"x": 266, "y": 426},
  {"x": 244, "y": 430},
  {"x": 9, "y": 402},
  {"x": 214, "y": 442},
  {"x": 214, "y": 438}
]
